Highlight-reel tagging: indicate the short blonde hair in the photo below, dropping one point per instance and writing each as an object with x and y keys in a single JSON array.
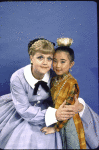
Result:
[{"x": 43, "y": 46}]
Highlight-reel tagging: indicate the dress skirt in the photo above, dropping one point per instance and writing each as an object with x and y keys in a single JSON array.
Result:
[{"x": 17, "y": 133}]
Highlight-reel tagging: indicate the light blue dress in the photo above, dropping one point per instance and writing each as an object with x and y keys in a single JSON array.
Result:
[
  {"x": 22, "y": 119},
  {"x": 20, "y": 127}
]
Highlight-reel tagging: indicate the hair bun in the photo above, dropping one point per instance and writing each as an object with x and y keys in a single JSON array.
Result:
[{"x": 64, "y": 41}]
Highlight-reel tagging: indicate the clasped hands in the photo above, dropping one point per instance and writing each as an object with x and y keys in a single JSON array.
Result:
[{"x": 64, "y": 112}]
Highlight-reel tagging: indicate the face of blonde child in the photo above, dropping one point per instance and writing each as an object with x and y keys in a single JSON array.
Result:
[
  {"x": 41, "y": 64},
  {"x": 61, "y": 63}
]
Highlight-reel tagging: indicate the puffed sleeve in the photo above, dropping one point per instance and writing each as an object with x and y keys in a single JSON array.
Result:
[{"x": 32, "y": 114}]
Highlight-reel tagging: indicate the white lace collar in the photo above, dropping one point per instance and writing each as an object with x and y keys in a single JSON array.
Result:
[{"x": 30, "y": 79}]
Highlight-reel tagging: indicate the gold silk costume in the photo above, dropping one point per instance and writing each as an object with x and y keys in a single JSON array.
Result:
[{"x": 64, "y": 88}]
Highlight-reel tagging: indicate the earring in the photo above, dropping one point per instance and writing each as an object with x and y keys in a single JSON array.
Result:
[
  {"x": 31, "y": 62},
  {"x": 70, "y": 69}
]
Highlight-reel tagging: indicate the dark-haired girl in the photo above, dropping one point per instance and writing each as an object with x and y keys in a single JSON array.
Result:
[{"x": 64, "y": 87}]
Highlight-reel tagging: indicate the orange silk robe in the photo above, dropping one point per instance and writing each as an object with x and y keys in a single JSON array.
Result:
[{"x": 64, "y": 88}]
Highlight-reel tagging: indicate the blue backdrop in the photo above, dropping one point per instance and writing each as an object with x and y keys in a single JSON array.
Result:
[{"x": 23, "y": 21}]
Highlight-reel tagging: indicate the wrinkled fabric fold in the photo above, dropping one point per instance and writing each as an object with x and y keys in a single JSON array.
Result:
[{"x": 22, "y": 115}]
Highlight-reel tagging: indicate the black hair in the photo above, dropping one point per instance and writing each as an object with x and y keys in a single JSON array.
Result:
[
  {"x": 67, "y": 49},
  {"x": 33, "y": 41}
]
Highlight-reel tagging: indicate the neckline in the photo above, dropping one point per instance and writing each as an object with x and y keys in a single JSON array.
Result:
[{"x": 31, "y": 79}]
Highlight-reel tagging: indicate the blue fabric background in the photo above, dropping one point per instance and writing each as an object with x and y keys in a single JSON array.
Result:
[{"x": 23, "y": 21}]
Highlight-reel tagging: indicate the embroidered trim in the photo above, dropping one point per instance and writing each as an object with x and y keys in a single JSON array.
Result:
[{"x": 61, "y": 88}]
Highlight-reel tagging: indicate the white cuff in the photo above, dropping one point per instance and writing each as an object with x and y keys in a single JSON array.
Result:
[
  {"x": 50, "y": 117},
  {"x": 82, "y": 102}
]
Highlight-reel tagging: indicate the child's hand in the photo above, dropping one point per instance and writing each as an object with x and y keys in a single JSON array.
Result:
[{"x": 48, "y": 130}]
